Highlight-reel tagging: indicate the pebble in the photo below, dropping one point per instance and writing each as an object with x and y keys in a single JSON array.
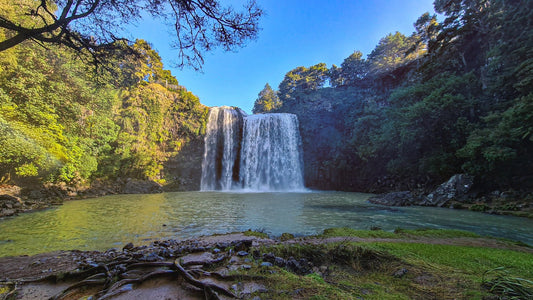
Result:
[
  {"x": 280, "y": 262},
  {"x": 242, "y": 253},
  {"x": 266, "y": 264},
  {"x": 128, "y": 246}
]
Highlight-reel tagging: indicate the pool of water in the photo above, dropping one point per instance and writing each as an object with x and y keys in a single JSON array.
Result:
[{"x": 112, "y": 221}]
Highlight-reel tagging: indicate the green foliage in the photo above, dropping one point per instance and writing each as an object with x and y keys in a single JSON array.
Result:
[
  {"x": 286, "y": 236},
  {"x": 255, "y": 233},
  {"x": 155, "y": 123},
  {"x": 302, "y": 79},
  {"x": 43, "y": 97},
  {"x": 352, "y": 71},
  {"x": 499, "y": 282},
  {"x": 63, "y": 120},
  {"x": 266, "y": 101},
  {"x": 390, "y": 53}
]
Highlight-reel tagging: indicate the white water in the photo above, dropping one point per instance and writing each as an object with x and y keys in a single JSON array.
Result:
[
  {"x": 252, "y": 153},
  {"x": 270, "y": 156},
  {"x": 222, "y": 149}
]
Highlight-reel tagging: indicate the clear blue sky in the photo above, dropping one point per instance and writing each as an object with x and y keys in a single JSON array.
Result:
[{"x": 294, "y": 33}]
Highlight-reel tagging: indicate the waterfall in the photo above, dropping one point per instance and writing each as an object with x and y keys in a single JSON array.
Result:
[
  {"x": 270, "y": 155},
  {"x": 220, "y": 167},
  {"x": 253, "y": 153}
]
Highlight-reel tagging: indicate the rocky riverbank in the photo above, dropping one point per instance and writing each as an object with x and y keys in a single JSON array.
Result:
[
  {"x": 457, "y": 193},
  {"x": 14, "y": 199},
  {"x": 250, "y": 265}
]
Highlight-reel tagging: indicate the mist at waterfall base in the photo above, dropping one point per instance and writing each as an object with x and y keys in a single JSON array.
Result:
[{"x": 257, "y": 153}]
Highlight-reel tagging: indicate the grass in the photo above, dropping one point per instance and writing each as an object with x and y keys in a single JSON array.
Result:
[
  {"x": 436, "y": 233},
  {"x": 367, "y": 269},
  {"x": 343, "y": 231},
  {"x": 464, "y": 259},
  {"x": 499, "y": 282},
  {"x": 399, "y": 233},
  {"x": 255, "y": 233},
  {"x": 4, "y": 290}
]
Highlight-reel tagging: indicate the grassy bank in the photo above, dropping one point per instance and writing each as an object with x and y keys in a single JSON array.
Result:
[
  {"x": 410, "y": 264},
  {"x": 341, "y": 263}
]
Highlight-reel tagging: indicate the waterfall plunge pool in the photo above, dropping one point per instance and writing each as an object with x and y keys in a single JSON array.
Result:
[{"x": 113, "y": 221}]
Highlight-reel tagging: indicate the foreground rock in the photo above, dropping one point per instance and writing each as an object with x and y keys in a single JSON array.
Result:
[
  {"x": 232, "y": 266},
  {"x": 455, "y": 189},
  {"x": 9, "y": 205}
]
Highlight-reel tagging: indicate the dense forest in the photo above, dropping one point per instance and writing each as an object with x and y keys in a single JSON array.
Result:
[
  {"x": 65, "y": 118},
  {"x": 455, "y": 96}
]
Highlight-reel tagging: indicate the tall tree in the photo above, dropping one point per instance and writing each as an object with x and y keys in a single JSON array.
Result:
[
  {"x": 266, "y": 101},
  {"x": 303, "y": 79},
  {"x": 94, "y": 25},
  {"x": 353, "y": 69},
  {"x": 426, "y": 30},
  {"x": 390, "y": 53}
]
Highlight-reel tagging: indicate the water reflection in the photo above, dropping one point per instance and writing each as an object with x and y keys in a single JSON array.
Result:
[{"x": 113, "y": 221}]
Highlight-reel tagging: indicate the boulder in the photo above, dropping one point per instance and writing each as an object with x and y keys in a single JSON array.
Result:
[
  {"x": 9, "y": 205},
  {"x": 404, "y": 198},
  {"x": 454, "y": 189},
  {"x": 134, "y": 186}
]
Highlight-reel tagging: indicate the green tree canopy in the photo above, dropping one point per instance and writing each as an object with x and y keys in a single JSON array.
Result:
[
  {"x": 390, "y": 53},
  {"x": 61, "y": 121},
  {"x": 353, "y": 70},
  {"x": 303, "y": 79},
  {"x": 266, "y": 101}
]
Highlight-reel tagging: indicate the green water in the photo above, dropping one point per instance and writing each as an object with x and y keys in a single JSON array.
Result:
[{"x": 112, "y": 221}]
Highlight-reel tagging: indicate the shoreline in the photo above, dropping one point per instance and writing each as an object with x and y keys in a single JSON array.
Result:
[{"x": 247, "y": 265}]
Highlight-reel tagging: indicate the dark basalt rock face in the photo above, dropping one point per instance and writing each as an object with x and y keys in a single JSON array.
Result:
[
  {"x": 456, "y": 189},
  {"x": 134, "y": 186}
]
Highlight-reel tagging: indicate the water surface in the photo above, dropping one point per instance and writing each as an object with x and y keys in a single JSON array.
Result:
[{"x": 112, "y": 221}]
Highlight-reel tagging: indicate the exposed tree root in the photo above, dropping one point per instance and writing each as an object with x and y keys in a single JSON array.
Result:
[
  {"x": 189, "y": 266},
  {"x": 117, "y": 277},
  {"x": 115, "y": 289},
  {"x": 210, "y": 289},
  {"x": 78, "y": 285},
  {"x": 214, "y": 261},
  {"x": 11, "y": 293}
]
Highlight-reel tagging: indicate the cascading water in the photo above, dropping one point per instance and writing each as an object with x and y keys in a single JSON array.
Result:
[
  {"x": 270, "y": 155},
  {"x": 220, "y": 167},
  {"x": 254, "y": 153}
]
